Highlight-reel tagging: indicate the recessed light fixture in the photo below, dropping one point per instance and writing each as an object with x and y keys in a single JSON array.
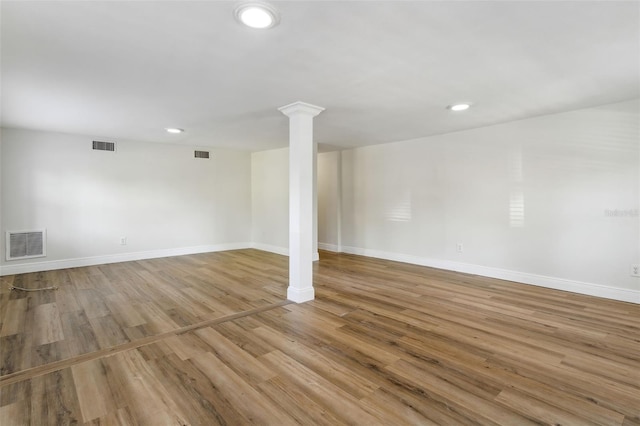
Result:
[
  {"x": 259, "y": 15},
  {"x": 459, "y": 107},
  {"x": 174, "y": 130}
]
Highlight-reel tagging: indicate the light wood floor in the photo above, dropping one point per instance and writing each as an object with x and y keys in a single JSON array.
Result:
[{"x": 209, "y": 339}]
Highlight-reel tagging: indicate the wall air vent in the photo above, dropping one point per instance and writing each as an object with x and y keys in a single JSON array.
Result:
[
  {"x": 104, "y": 146},
  {"x": 202, "y": 154},
  {"x": 26, "y": 244}
]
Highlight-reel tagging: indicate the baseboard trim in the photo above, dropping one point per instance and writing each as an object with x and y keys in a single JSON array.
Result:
[
  {"x": 24, "y": 268},
  {"x": 284, "y": 251},
  {"x": 51, "y": 265},
  {"x": 329, "y": 247},
  {"x": 598, "y": 290}
]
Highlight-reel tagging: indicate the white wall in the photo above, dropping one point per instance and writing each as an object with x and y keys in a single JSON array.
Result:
[
  {"x": 329, "y": 200},
  {"x": 527, "y": 200},
  {"x": 157, "y": 195},
  {"x": 270, "y": 200}
]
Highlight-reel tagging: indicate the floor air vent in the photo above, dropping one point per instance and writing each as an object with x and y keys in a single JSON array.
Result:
[
  {"x": 26, "y": 244},
  {"x": 202, "y": 154},
  {"x": 104, "y": 146}
]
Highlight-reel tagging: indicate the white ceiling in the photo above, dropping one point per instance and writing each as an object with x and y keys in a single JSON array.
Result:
[{"x": 384, "y": 70}]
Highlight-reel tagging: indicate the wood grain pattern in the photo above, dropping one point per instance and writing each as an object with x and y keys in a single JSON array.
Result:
[{"x": 208, "y": 339}]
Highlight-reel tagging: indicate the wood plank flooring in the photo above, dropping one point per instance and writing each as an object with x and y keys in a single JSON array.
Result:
[{"x": 209, "y": 339}]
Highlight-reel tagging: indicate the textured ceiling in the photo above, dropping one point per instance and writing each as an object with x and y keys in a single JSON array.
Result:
[{"x": 384, "y": 70}]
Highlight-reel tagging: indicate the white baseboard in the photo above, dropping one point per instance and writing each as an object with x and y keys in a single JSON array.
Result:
[
  {"x": 51, "y": 265},
  {"x": 608, "y": 292},
  {"x": 279, "y": 250},
  {"x": 271, "y": 249},
  {"x": 329, "y": 247}
]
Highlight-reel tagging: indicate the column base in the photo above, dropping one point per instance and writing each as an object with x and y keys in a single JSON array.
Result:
[{"x": 299, "y": 295}]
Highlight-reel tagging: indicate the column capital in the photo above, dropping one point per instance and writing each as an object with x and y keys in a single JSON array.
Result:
[{"x": 300, "y": 108}]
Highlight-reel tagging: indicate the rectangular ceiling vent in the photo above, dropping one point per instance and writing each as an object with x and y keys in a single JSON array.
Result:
[
  {"x": 26, "y": 244},
  {"x": 104, "y": 146},
  {"x": 202, "y": 154}
]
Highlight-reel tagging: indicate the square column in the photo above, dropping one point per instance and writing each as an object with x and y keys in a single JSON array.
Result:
[{"x": 302, "y": 195}]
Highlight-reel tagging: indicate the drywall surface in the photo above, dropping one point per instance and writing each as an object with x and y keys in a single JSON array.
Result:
[
  {"x": 329, "y": 199},
  {"x": 549, "y": 199},
  {"x": 158, "y": 196},
  {"x": 270, "y": 200}
]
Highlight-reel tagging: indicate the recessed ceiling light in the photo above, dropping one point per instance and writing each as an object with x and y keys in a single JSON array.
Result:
[
  {"x": 257, "y": 15},
  {"x": 174, "y": 130},
  {"x": 459, "y": 107}
]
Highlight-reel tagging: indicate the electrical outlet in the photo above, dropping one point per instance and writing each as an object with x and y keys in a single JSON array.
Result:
[
  {"x": 459, "y": 248},
  {"x": 123, "y": 241},
  {"x": 635, "y": 270}
]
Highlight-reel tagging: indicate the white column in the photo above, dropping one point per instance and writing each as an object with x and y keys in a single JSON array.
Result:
[{"x": 302, "y": 194}]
